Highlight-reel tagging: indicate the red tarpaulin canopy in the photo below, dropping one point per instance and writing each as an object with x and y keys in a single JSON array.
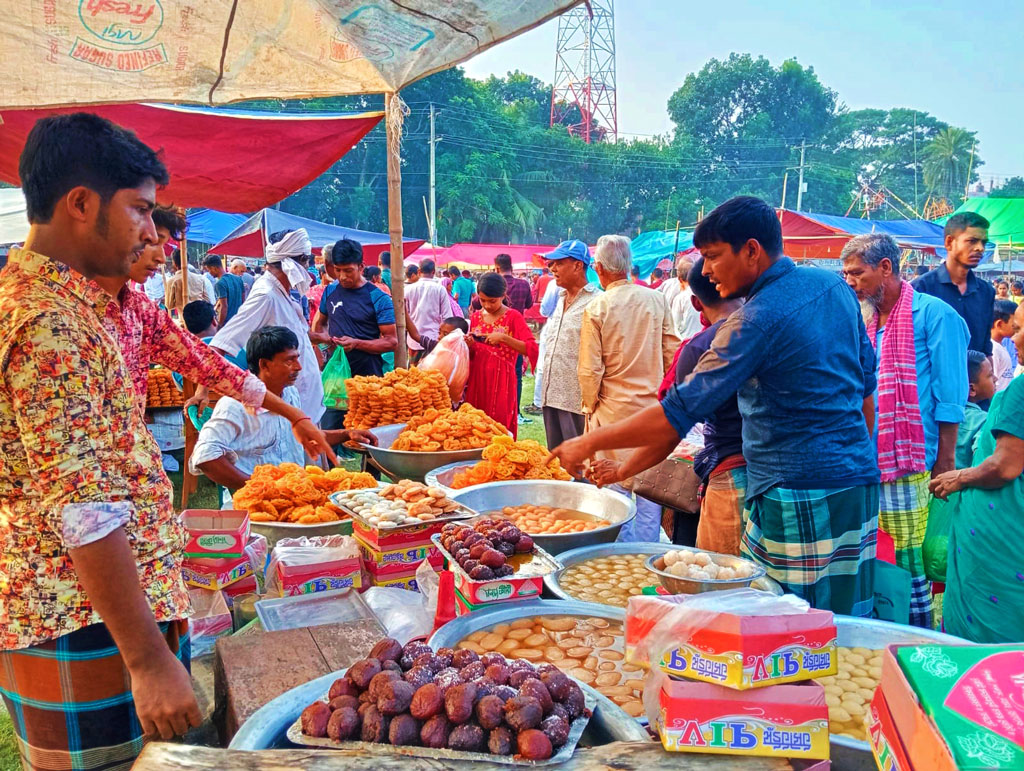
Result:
[{"x": 229, "y": 160}]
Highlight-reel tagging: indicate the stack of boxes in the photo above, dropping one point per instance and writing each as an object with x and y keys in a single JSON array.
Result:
[
  {"x": 728, "y": 683},
  {"x": 391, "y": 557},
  {"x": 949, "y": 708}
]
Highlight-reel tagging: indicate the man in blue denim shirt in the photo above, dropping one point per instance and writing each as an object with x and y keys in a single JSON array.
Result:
[{"x": 812, "y": 494}]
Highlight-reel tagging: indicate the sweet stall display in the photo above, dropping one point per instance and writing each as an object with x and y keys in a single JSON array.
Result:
[
  {"x": 291, "y": 493},
  {"x": 466, "y": 428},
  {"x": 394, "y": 398},
  {"x": 505, "y": 459}
]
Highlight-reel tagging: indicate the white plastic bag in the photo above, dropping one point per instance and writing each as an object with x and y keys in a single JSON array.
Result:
[
  {"x": 451, "y": 358},
  {"x": 400, "y": 611}
]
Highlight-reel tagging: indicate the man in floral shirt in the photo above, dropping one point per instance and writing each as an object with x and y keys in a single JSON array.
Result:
[{"x": 91, "y": 594}]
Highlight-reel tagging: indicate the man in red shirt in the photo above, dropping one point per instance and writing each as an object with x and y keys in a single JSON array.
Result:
[{"x": 542, "y": 284}]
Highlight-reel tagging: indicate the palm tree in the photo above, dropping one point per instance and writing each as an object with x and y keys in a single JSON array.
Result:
[{"x": 948, "y": 161}]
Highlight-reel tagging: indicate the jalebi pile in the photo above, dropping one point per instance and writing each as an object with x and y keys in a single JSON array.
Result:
[
  {"x": 395, "y": 398},
  {"x": 464, "y": 429},
  {"x": 161, "y": 390},
  {"x": 291, "y": 493},
  {"x": 505, "y": 459}
]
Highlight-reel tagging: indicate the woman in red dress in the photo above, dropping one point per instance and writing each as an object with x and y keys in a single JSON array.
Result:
[{"x": 497, "y": 336}]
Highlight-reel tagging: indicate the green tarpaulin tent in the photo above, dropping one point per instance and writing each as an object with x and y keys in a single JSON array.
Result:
[{"x": 1005, "y": 216}]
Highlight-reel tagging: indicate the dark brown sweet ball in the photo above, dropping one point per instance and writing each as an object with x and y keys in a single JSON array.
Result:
[
  {"x": 521, "y": 665},
  {"x": 395, "y": 697},
  {"x": 344, "y": 701},
  {"x": 467, "y": 738},
  {"x": 574, "y": 703},
  {"x": 342, "y": 687},
  {"x": 558, "y": 685},
  {"x": 446, "y": 678},
  {"x": 484, "y": 686},
  {"x": 362, "y": 672},
  {"x": 492, "y": 657},
  {"x": 533, "y": 745},
  {"x": 498, "y": 673},
  {"x": 459, "y": 701},
  {"x": 490, "y": 711},
  {"x": 434, "y": 733},
  {"x": 505, "y": 692},
  {"x": 539, "y": 691},
  {"x": 523, "y": 712},
  {"x": 344, "y": 724},
  {"x": 411, "y": 652},
  {"x": 403, "y": 731},
  {"x": 365, "y": 706},
  {"x": 500, "y": 741},
  {"x": 560, "y": 711},
  {"x": 556, "y": 728},
  {"x": 392, "y": 666},
  {"x": 388, "y": 649},
  {"x": 379, "y": 680},
  {"x": 314, "y": 719},
  {"x": 445, "y": 656},
  {"x": 375, "y": 726},
  {"x": 429, "y": 661},
  {"x": 418, "y": 677},
  {"x": 520, "y": 676},
  {"x": 464, "y": 656},
  {"x": 365, "y": 698},
  {"x": 427, "y": 702},
  {"x": 472, "y": 670}
]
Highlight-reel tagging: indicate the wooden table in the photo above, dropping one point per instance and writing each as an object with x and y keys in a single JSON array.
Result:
[
  {"x": 618, "y": 756},
  {"x": 252, "y": 670}
]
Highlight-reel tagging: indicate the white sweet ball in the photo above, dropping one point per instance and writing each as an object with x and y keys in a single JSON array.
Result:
[
  {"x": 671, "y": 558},
  {"x": 687, "y": 556},
  {"x": 712, "y": 570},
  {"x": 679, "y": 569},
  {"x": 724, "y": 574},
  {"x": 702, "y": 559}
]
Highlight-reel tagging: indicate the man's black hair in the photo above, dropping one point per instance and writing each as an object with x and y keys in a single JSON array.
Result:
[
  {"x": 1003, "y": 310},
  {"x": 172, "y": 219},
  {"x": 702, "y": 286},
  {"x": 427, "y": 266},
  {"x": 454, "y": 272},
  {"x": 385, "y": 259},
  {"x": 958, "y": 223},
  {"x": 213, "y": 260},
  {"x": 266, "y": 343},
  {"x": 503, "y": 263},
  {"x": 974, "y": 361},
  {"x": 176, "y": 258},
  {"x": 411, "y": 270},
  {"x": 81, "y": 149},
  {"x": 198, "y": 316},
  {"x": 1018, "y": 286},
  {"x": 277, "y": 235},
  {"x": 467, "y": 274},
  {"x": 491, "y": 285},
  {"x": 347, "y": 252},
  {"x": 737, "y": 221},
  {"x": 459, "y": 323},
  {"x": 635, "y": 271},
  {"x": 657, "y": 273}
]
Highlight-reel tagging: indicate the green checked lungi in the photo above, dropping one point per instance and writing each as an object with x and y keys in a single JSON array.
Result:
[
  {"x": 819, "y": 544},
  {"x": 903, "y": 514}
]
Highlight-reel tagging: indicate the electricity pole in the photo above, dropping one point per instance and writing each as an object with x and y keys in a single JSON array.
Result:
[
  {"x": 800, "y": 182},
  {"x": 433, "y": 209}
]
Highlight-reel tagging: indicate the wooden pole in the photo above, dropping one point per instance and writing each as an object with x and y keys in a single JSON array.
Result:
[
  {"x": 393, "y": 117},
  {"x": 675, "y": 249},
  {"x": 188, "y": 389}
]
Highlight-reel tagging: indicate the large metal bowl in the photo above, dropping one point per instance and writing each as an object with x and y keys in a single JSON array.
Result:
[
  {"x": 553, "y": 582},
  {"x": 403, "y": 464},
  {"x": 442, "y": 476},
  {"x": 677, "y": 585},
  {"x": 600, "y": 502}
]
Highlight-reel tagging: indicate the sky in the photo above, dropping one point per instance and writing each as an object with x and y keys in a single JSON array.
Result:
[{"x": 959, "y": 61}]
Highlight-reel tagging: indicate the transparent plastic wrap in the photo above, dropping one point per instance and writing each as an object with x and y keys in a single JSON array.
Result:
[
  {"x": 310, "y": 564},
  {"x": 740, "y": 638},
  {"x": 400, "y": 611},
  {"x": 450, "y": 357}
]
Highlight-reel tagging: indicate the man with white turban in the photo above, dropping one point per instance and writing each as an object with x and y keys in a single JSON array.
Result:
[{"x": 270, "y": 304}]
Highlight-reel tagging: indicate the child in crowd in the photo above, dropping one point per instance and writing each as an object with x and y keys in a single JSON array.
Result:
[
  {"x": 982, "y": 388},
  {"x": 1004, "y": 352},
  {"x": 448, "y": 326}
]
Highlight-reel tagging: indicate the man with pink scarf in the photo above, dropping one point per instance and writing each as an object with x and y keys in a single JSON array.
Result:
[{"x": 921, "y": 346}]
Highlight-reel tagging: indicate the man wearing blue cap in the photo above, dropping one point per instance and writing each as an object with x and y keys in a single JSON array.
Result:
[{"x": 561, "y": 399}]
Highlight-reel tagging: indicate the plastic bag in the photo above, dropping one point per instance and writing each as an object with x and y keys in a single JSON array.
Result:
[
  {"x": 334, "y": 376},
  {"x": 936, "y": 537},
  {"x": 451, "y": 358},
  {"x": 400, "y": 611},
  {"x": 892, "y": 593},
  {"x": 294, "y": 560}
]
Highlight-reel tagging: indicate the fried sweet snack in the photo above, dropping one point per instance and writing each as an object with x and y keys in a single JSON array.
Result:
[
  {"x": 161, "y": 390},
  {"x": 394, "y": 398},
  {"x": 464, "y": 429},
  {"x": 505, "y": 459},
  {"x": 291, "y": 493}
]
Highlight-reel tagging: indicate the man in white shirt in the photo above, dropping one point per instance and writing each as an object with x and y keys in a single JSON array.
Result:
[
  {"x": 238, "y": 267},
  {"x": 270, "y": 304},
  {"x": 685, "y": 315},
  {"x": 427, "y": 301},
  {"x": 234, "y": 441},
  {"x": 1004, "y": 327}
]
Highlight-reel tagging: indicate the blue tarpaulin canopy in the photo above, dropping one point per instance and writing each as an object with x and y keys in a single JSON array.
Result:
[
  {"x": 652, "y": 247},
  {"x": 249, "y": 238},
  {"x": 209, "y": 227},
  {"x": 817, "y": 236}
]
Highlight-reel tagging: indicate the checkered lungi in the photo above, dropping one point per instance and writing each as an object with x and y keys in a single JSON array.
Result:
[
  {"x": 70, "y": 700},
  {"x": 903, "y": 514},
  {"x": 819, "y": 544}
]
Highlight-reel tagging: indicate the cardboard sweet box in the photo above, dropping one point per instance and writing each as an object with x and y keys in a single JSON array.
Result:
[
  {"x": 215, "y": 533},
  {"x": 221, "y": 573},
  {"x": 403, "y": 557},
  {"x": 886, "y": 745},
  {"x": 526, "y": 583},
  {"x": 404, "y": 537}
]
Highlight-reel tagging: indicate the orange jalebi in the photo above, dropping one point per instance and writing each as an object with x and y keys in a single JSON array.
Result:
[
  {"x": 506, "y": 459},
  {"x": 291, "y": 493}
]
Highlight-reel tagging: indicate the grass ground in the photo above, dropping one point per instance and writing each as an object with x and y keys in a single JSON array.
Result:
[{"x": 205, "y": 497}]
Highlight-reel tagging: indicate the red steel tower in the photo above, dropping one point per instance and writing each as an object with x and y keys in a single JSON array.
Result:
[{"x": 583, "y": 95}]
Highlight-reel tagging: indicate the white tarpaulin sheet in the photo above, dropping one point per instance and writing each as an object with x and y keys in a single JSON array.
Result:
[
  {"x": 62, "y": 52},
  {"x": 13, "y": 219}
]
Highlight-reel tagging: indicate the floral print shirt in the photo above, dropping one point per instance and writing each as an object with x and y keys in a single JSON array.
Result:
[
  {"x": 76, "y": 460},
  {"x": 146, "y": 334}
]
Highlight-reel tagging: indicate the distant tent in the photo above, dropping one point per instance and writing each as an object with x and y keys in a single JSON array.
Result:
[
  {"x": 483, "y": 254},
  {"x": 1005, "y": 216},
  {"x": 209, "y": 227},
  {"x": 652, "y": 247},
  {"x": 249, "y": 238},
  {"x": 823, "y": 236}
]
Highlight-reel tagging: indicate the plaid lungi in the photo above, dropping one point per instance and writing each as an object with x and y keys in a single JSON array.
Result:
[
  {"x": 70, "y": 700},
  {"x": 819, "y": 544},
  {"x": 903, "y": 514}
]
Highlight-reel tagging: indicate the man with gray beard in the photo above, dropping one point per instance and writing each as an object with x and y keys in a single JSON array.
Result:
[{"x": 921, "y": 346}]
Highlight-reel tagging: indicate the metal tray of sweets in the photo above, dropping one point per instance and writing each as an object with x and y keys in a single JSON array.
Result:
[
  {"x": 579, "y": 725},
  {"x": 539, "y": 565},
  {"x": 337, "y": 499},
  {"x": 406, "y": 464}
]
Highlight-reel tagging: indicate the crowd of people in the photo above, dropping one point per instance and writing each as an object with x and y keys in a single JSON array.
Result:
[{"x": 834, "y": 409}]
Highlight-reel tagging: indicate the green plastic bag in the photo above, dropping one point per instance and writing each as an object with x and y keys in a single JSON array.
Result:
[
  {"x": 892, "y": 593},
  {"x": 335, "y": 374},
  {"x": 936, "y": 537}
]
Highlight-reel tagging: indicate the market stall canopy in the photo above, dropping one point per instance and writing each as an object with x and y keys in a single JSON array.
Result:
[
  {"x": 1005, "y": 217},
  {"x": 229, "y": 160},
  {"x": 1005, "y": 265},
  {"x": 476, "y": 255},
  {"x": 13, "y": 219},
  {"x": 249, "y": 238},
  {"x": 222, "y": 51},
  {"x": 652, "y": 247},
  {"x": 823, "y": 236},
  {"x": 211, "y": 227}
]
